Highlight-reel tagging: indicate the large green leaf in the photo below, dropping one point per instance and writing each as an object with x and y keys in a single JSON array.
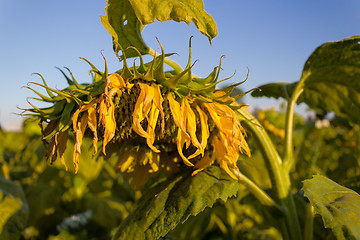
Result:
[
  {"x": 338, "y": 206},
  {"x": 173, "y": 201},
  {"x": 14, "y": 210},
  {"x": 330, "y": 80},
  {"x": 125, "y": 19},
  {"x": 123, "y": 25},
  {"x": 178, "y": 10}
]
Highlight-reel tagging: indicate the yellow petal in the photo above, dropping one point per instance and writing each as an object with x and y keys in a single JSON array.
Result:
[
  {"x": 223, "y": 165},
  {"x": 154, "y": 113},
  {"x": 204, "y": 162},
  {"x": 179, "y": 115},
  {"x": 92, "y": 123},
  {"x": 228, "y": 124},
  {"x": 75, "y": 119},
  {"x": 158, "y": 101},
  {"x": 156, "y": 108},
  {"x": 61, "y": 144},
  {"x": 184, "y": 119},
  {"x": 149, "y": 97},
  {"x": 191, "y": 127},
  {"x": 220, "y": 153},
  {"x": 79, "y": 134},
  {"x": 232, "y": 150},
  {"x": 107, "y": 119},
  {"x": 142, "y": 107},
  {"x": 109, "y": 125},
  {"x": 115, "y": 81},
  {"x": 102, "y": 110},
  {"x": 81, "y": 109},
  {"x": 176, "y": 112},
  {"x": 218, "y": 116},
  {"x": 181, "y": 138},
  {"x": 204, "y": 132}
]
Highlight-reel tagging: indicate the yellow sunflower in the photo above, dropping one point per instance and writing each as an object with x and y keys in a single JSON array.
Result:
[{"x": 151, "y": 118}]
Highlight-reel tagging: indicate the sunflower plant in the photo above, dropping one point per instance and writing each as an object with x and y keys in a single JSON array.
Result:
[{"x": 176, "y": 136}]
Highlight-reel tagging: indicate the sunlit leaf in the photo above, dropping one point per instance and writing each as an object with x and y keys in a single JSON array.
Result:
[
  {"x": 125, "y": 20},
  {"x": 338, "y": 206},
  {"x": 330, "y": 78},
  {"x": 173, "y": 201},
  {"x": 178, "y": 10},
  {"x": 125, "y": 28}
]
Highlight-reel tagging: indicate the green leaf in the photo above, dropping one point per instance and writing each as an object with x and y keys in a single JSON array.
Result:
[
  {"x": 173, "y": 201},
  {"x": 275, "y": 90},
  {"x": 14, "y": 210},
  {"x": 338, "y": 206},
  {"x": 125, "y": 28},
  {"x": 178, "y": 10},
  {"x": 125, "y": 20},
  {"x": 330, "y": 80}
]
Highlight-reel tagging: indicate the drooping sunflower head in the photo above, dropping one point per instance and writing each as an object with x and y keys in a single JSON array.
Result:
[{"x": 154, "y": 120}]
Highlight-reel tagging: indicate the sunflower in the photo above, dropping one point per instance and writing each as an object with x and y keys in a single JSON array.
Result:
[{"x": 153, "y": 119}]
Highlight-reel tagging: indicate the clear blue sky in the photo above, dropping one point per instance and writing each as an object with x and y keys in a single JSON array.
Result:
[{"x": 272, "y": 38}]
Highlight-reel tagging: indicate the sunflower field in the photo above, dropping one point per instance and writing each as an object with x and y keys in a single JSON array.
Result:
[{"x": 152, "y": 151}]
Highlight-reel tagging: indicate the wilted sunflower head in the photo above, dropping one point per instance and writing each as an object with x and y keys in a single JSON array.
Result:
[{"x": 153, "y": 119}]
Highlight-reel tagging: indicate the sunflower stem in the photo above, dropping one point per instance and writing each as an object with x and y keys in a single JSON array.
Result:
[
  {"x": 289, "y": 124},
  {"x": 279, "y": 176},
  {"x": 260, "y": 194},
  {"x": 309, "y": 222}
]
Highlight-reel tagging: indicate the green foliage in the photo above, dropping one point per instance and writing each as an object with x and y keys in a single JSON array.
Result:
[
  {"x": 338, "y": 206},
  {"x": 56, "y": 204},
  {"x": 56, "y": 196},
  {"x": 330, "y": 151},
  {"x": 89, "y": 204},
  {"x": 173, "y": 201},
  {"x": 14, "y": 210},
  {"x": 240, "y": 218},
  {"x": 332, "y": 76},
  {"x": 330, "y": 80}
]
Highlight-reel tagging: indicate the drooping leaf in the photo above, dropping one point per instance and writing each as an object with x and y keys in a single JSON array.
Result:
[
  {"x": 125, "y": 20},
  {"x": 125, "y": 28},
  {"x": 338, "y": 206},
  {"x": 330, "y": 79},
  {"x": 173, "y": 201},
  {"x": 14, "y": 210},
  {"x": 178, "y": 10}
]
